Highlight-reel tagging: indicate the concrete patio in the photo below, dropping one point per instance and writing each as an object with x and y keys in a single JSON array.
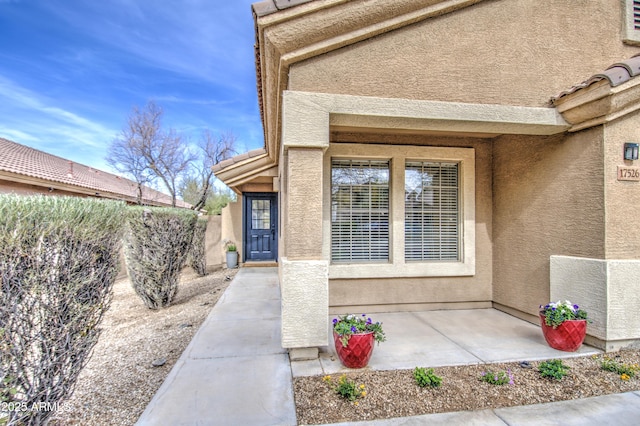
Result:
[
  {"x": 234, "y": 371},
  {"x": 442, "y": 338}
]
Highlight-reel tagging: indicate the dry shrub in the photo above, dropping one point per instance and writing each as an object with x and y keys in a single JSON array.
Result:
[
  {"x": 156, "y": 245},
  {"x": 197, "y": 259},
  {"x": 58, "y": 263}
]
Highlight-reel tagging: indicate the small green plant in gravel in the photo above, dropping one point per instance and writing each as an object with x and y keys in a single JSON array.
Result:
[
  {"x": 625, "y": 371},
  {"x": 499, "y": 378},
  {"x": 553, "y": 369},
  {"x": 348, "y": 389},
  {"x": 426, "y": 377}
]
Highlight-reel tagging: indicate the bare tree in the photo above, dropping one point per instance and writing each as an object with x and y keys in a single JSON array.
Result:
[
  {"x": 213, "y": 151},
  {"x": 169, "y": 159},
  {"x": 145, "y": 151},
  {"x": 125, "y": 153}
]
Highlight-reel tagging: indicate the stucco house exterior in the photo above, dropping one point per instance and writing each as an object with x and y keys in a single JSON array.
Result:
[{"x": 428, "y": 154}]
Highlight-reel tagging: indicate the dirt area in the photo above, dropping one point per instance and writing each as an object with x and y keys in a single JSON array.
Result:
[
  {"x": 395, "y": 393},
  {"x": 120, "y": 379}
]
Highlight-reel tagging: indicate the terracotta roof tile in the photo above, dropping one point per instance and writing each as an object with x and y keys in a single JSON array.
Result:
[
  {"x": 26, "y": 161},
  {"x": 616, "y": 74},
  {"x": 632, "y": 65},
  {"x": 238, "y": 158}
]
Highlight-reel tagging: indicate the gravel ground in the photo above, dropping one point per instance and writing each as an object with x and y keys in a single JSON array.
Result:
[
  {"x": 119, "y": 380},
  {"x": 395, "y": 393}
]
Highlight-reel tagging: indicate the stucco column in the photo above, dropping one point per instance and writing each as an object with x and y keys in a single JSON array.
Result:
[
  {"x": 304, "y": 278},
  {"x": 304, "y": 195}
]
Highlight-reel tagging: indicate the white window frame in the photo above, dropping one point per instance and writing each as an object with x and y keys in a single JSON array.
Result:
[{"x": 397, "y": 156}]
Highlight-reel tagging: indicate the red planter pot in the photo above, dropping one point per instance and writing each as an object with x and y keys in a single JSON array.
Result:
[
  {"x": 567, "y": 337},
  {"x": 358, "y": 350}
]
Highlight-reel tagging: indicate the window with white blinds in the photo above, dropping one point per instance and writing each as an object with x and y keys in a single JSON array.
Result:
[
  {"x": 359, "y": 210},
  {"x": 432, "y": 217}
]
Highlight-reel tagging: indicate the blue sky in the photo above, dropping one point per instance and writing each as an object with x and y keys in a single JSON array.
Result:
[{"x": 71, "y": 70}]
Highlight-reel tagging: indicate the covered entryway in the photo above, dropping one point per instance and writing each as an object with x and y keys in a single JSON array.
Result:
[{"x": 260, "y": 227}]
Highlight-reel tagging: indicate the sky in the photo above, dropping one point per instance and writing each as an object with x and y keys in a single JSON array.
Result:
[{"x": 71, "y": 71}]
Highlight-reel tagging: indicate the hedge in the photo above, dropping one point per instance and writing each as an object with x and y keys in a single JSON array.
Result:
[
  {"x": 58, "y": 263},
  {"x": 157, "y": 242}
]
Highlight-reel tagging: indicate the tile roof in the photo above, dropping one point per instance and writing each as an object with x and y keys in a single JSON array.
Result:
[
  {"x": 267, "y": 7},
  {"x": 25, "y": 161},
  {"x": 238, "y": 158},
  {"x": 615, "y": 75}
]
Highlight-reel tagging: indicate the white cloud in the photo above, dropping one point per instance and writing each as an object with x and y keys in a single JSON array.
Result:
[
  {"x": 29, "y": 117},
  {"x": 211, "y": 40}
]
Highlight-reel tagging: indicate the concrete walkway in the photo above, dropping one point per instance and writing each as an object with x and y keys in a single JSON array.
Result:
[{"x": 234, "y": 371}]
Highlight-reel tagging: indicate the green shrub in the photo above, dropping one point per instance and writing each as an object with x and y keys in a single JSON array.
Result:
[
  {"x": 58, "y": 263},
  {"x": 157, "y": 241},
  {"x": 614, "y": 366},
  {"x": 553, "y": 369},
  {"x": 499, "y": 378},
  {"x": 426, "y": 377},
  {"x": 197, "y": 257},
  {"x": 346, "y": 388}
]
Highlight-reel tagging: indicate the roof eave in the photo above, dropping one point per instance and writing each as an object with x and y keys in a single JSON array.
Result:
[{"x": 290, "y": 42}]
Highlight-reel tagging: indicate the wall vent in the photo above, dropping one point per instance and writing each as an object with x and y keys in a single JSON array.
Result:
[{"x": 631, "y": 21}]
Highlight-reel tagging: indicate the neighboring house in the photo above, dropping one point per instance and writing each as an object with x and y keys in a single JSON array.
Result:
[
  {"x": 439, "y": 155},
  {"x": 24, "y": 170}
]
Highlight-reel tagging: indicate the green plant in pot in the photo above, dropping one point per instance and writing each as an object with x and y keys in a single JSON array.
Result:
[
  {"x": 354, "y": 337},
  {"x": 564, "y": 325},
  {"x": 232, "y": 254}
]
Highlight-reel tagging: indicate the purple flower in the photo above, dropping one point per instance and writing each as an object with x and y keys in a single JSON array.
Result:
[
  {"x": 576, "y": 307},
  {"x": 354, "y": 329},
  {"x": 335, "y": 320},
  {"x": 368, "y": 320}
]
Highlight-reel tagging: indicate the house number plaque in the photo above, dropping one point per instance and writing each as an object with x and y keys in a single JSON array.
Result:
[{"x": 629, "y": 173}]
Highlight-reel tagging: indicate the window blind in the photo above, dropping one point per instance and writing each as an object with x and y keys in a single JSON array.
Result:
[
  {"x": 432, "y": 218},
  {"x": 359, "y": 210}
]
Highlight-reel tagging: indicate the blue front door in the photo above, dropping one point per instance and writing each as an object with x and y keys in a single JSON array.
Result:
[{"x": 260, "y": 226}]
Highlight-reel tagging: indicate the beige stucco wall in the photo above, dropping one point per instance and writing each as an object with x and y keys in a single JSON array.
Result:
[
  {"x": 536, "y": 196},
  {"x": 548, "y": 200},
  {"x": 602, "y": 288},
  {"x": 622, "y": 197},
  {"x": 9, "y": 187},
  {"x": 213, "y": 243},
  {"x": 231, "y": 227},
  {"x": 530, "y": 53},
  {"x": 303, "y": 230},
  {"x": 304, "y": 301}
]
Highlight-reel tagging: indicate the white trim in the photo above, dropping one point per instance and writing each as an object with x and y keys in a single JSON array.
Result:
[
  {"x": 307, "y": 117},
  {"x": 397, "y": 267}
]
